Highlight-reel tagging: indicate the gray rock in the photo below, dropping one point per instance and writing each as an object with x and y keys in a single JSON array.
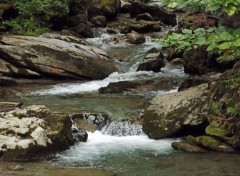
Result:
[
  {"x": 155, "y": 11},
  {"x": 33, "y": 132},
  {"x": 7, "y": 82},
  {"x": 56, "y": 56},
  {"x": 80, "y": 136},
  {"x": 169, "y": 115},
  {"x": 99, "y": 21},
  {"x": 145, "y": 16},
  {"x": 153, "y": 61},
  {"x": 186, "y": 147},
  {"x": 135, "y": 38},
  {"x": 90, "y": 121}
]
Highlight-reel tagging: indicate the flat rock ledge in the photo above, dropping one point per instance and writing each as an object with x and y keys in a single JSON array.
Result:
[{"x": 33, "y": 132}]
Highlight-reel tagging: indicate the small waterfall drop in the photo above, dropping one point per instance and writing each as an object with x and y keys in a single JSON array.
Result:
[{"x": 123, "y": 128}]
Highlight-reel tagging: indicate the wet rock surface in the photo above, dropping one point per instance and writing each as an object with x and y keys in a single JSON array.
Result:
[{"x": 90, "y": 121}]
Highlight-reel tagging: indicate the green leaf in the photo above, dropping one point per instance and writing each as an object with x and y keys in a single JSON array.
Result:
[
  {"x": 201, "y": 41},
  {"x": 231, "y": 10},
  {"x": 172, "y": 5},
  {"x": 187, "y": 31},
  {"x": 225, "y": 45}
]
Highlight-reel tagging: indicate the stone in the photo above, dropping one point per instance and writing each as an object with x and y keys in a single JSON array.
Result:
[
  {"x": 99, "y": 21},
  {"x": 109, "y": 8},
  {"x": 197, "y": 80},
  {"x": 177, "y": 61},
  {"x": 210, "y": 143},
  {"x": 186, "y": 147},
  {"x": 90, "y": 121},
  {"x": 139, "y": 86},
  {"x": 73, "y": 21},
  {"x": 56, "y": 56},
  {"x": 155, "y": 11},
  {"x": 199, "y": 20},
  {"x": 145, "y": 16},
  {"x": 136, "y": 38},
  {"x": 80, "y": 136},
  {"x": 199, "y": 62},
  {"x": 7, "y": 82},
  {"x": 174, "y": 114},
  {"x": 126, "y": 25},
  {"x": 33, "y": 132},
  {"x": 153, "y": 61},
  {"x": 7, "y": 106},
  {"x": 125, "y": 5},
  {"x": 83, "y": 30}
]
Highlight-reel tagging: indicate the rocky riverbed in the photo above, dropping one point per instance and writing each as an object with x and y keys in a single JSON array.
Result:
[{"x": 104, "y": 74}]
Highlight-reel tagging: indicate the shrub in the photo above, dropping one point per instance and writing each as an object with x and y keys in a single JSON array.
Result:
[{"x": 35, "y": 15}]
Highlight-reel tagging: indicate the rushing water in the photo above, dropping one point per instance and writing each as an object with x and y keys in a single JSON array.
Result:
[{"x": 121, "y": 148}]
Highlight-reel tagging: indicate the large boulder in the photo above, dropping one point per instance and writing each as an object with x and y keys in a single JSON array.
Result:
[
  {"x": 53, "y": 56},
  {"x": 155, "y": 11},
  {"x": 176, "y": 113},
  {"x": 32, "y": 132}
]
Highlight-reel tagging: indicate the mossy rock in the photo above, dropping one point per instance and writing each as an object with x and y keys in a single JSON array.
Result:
[
  {"x": 216, "y": 132},
  {"x": 176, "y": 113},
  {"x": 209, "y": 143},
  {"x": 187, "y": 147}
]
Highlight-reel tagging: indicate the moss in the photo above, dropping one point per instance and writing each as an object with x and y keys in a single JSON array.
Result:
[
  {"x": 204, "y": 141},
  {"x": 218, "y": 132},
  {"x": 107, "y": 2}
]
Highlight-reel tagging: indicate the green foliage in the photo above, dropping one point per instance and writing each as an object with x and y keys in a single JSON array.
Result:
[
  {"x": 234, "y": 111},
  {"x": 214, "y": 109},
  {"x": 213, "y": 6},
  {"x": 34, "y": 15},
  {"x": 219, "y": 40}
]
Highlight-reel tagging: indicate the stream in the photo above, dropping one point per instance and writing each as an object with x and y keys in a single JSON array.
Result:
[{"x": 116, "y": 155}]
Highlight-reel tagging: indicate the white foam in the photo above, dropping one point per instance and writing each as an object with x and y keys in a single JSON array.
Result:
[
  {"x": 92, "y": 86},
  {"x": 99, "y": 145}
]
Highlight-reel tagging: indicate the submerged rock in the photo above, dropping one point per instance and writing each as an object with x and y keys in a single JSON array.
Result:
[
  {"x": 55, "y": 58},
  {"x": 176, "y": 113},
  {"x": 32, "y": 132}
]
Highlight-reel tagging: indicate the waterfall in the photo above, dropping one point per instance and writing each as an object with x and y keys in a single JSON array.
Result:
[{"x": 123, "y": 128}]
